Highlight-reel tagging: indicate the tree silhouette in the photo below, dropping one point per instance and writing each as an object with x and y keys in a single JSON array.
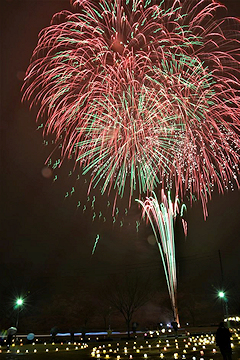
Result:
[{"x": 127, "y": 294}]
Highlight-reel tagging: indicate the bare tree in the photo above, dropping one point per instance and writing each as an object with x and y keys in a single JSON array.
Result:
[
  {"x": 128, "y": 294},
  {"x": 105, "y": 311}
]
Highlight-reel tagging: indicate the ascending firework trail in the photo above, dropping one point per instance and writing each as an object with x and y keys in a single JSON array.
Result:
[{"x": 162, "y": 217}]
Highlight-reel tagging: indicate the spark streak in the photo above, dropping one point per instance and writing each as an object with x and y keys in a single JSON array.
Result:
[
  {"x": 95, "y": 244},
  {"x": 161, "y": 217}
]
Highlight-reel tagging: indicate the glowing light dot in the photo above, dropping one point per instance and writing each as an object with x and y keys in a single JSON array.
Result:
[{"x": 47, "y": 172}]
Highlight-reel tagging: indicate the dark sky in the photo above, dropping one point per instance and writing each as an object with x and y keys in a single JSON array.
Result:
[{"x": 45, "y": 235}]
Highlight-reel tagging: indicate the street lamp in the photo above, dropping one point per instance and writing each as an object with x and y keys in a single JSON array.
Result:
[
  {"x": 19, "y": 302},
  {"x": 18, "y": 305},
  {"x": 223, "y": 296}
]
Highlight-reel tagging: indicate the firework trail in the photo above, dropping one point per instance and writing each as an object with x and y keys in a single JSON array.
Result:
[
  {"x": 95, "y": 244},
  {"x": 142, "y": 93},
  {"x": 162, "y": 217}
]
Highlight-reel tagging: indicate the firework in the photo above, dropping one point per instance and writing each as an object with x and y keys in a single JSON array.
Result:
[
  {"x": 95, "y": 244},
  {"x": 142, "y": 93},
  {"x": 162, "y": 216}
]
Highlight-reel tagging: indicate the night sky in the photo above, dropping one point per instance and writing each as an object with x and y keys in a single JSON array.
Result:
[{"x": 47, "y": 240}]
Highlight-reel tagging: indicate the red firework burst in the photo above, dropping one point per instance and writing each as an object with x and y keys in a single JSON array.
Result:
[{"x": 142, "y": 92}]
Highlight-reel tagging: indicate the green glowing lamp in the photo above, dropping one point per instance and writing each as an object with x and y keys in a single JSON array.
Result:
[
  {"x": 19, "y": 302},
  {"x": 221, "y": 294}
]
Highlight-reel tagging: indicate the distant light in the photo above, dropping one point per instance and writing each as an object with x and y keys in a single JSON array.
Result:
[
  {"x": 47, "y": 172},
  {"x": 221, "y": 294},
  {"x": 19, "y": 302}
]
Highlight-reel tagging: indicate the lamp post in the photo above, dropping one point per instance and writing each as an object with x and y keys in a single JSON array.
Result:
[
  {"x": 224, "y": 298},
  {"x": 18, "y": 306}
]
